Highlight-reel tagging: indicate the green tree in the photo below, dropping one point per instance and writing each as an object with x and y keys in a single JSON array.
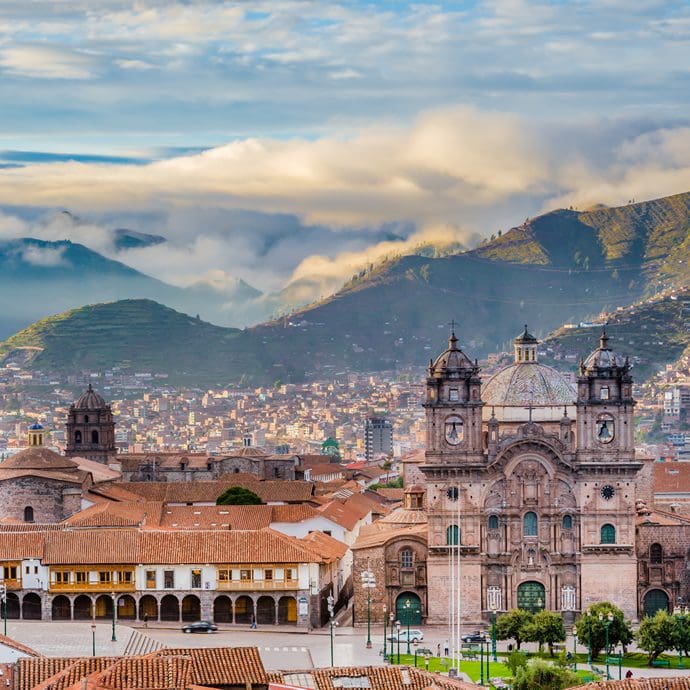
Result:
[
  {"x": 656, "y": 634},
  {"x": 541, "y": 675},
  {"x": 515, "y": 661},
  {"x": 510, "y": 625},
  {"x": 619, "y": 629},
  {"x": 682, "y": 634},
  {"x": 238, "y": 496},
  {"x": 546, "y": 627}
]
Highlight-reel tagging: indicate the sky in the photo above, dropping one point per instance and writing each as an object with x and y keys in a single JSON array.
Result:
[{"x": 295, "y": 140}]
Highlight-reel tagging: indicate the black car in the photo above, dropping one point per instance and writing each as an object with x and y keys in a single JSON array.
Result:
[
  {"x": 476, "y": 636},
  {"x": 200, "y": 627}
]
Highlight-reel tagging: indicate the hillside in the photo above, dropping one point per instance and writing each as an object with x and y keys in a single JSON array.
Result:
[{"x": 138, "y": 335}]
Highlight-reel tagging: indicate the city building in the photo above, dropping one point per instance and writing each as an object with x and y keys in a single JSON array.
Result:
[{"x": 378, "y": 438}]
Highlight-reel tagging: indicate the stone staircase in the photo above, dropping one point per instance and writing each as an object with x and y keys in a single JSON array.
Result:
[{"x": 139, "y": 644}]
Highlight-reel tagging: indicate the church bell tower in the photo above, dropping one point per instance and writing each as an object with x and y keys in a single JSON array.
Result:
[{"x": 90, "y": 429}]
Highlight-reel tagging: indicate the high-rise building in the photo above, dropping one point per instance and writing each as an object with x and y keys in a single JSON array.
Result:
[{"x": 378, "y": 437}]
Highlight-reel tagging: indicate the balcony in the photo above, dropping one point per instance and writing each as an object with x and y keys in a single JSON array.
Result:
[
  {"x": 11, "y": 583},
  {"x": 256, "y": 585},
  {"x": 84, "y": 584}
]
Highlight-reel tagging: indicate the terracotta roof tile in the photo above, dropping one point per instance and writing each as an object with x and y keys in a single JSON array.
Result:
[
  {"x": 33, "y": 672},
  {"x": 223, "y": 665},
  {"x": 9, "y": 642}
]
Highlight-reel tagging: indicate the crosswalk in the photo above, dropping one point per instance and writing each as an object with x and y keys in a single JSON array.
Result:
[{"x": 284, "y": 649}]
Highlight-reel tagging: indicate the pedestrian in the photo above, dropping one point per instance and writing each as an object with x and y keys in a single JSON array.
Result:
[
  {"x": 146, "y": 620},
  {"x": 253, "y": 625},
  {"x": 446, "y": 648},
  {"x": 438, "y": 650},
  {"x": 628, "y": 674}
]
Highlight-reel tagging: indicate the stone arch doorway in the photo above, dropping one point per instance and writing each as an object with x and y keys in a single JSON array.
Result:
[
  {"x": 170, "y": 608},
  {"x": 31, "y": 607},
  {"x": 191, "y": 608},
  {"x": 61, "y": 609},
  {"x": 266, "y": 610},
  {"x": 104, "y": 607},
  {"x": 287, "y": 611},
  {"x": 655, "y": 600},
  {"x": 148, "y": 608},
  {"x": 408, "y": 609},
  {"x": 531, "y": 596},
  {"x": 12, "y": 609},
  {"x": 83, "y": 608},
  {"x": 244, "y": 610},
  {"x": 222, "y": 610},
  {"x": 126, "y": 607}
]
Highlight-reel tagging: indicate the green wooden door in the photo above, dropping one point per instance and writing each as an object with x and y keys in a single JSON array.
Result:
[
  {"x": 655, "y": 600},
  {"x": 408, "y": 613},
  {"x": 531, "y": 596}
]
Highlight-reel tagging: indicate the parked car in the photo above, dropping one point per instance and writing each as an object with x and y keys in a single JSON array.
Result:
[
  {"x": 416, "y": 635},
  {"x": 476, "y": 636},
  {"x": 200, "y": 627}
]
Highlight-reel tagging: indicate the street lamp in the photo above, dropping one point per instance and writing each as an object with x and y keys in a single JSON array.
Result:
[
  {"x": 3, "y": 597},
  {"x": 368, "y": 581},
  {"x": 575, "y": 651},
  {"x": 415, "y": 644},
  {"x": 488, "y": 657},
  {"x": 397, "y": 634},
  {"x": 408, "y": 606},
  {"x": 426, "y": 662},
  {"x": 589, "y": 637},
  {"x": 114, "y": 596},
  {"x": 385, "y": 641},
  {"x": 391, "y": 618},
  {"x": 493, "y": 632},
  {"x": 481, "y": 662},
  {"x": 331, "y": 601},
  {"x": 93, "y": 639},
  {"x": 607, "y": 623}
]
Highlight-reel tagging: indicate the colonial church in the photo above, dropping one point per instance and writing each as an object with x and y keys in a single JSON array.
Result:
[{"x": 530, "y": 488}]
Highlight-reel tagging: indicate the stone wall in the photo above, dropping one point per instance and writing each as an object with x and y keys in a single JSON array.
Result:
[{"x": 45, "y": 496}]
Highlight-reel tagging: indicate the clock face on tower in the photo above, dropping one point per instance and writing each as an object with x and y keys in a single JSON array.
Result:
[
  {"x": 455, "y": 431},
  {"x": 607, "y": 492}
]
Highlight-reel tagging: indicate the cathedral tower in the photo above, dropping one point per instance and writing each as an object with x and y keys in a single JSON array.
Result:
[{"x": 90, "y": 429}]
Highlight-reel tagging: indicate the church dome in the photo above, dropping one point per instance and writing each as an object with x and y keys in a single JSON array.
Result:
[
  {"x": 452, "y": 360},
  {"x": 519, "y": 385},
  {"x": 603, "y": 357},
  {"x": 90, "y": 400},
  {"x": 38, "y": 458}
]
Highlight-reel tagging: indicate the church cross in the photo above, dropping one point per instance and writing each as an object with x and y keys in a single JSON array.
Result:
[
  {"x": 530, "y": 407},
  {"x": 452, "y": 325}
]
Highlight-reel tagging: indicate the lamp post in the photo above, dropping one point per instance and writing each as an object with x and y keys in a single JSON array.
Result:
[
  {"x": 331, "y": 601},
  {"x": 575, "y": 651},
  {"x": 3, "y": 597},
  {"x": 385, "y": 641},
  {"x": 391, "y": 618},
  {"x": 93, "y": 639},
  {"x": 368, "y": 581},
  {"x": 481, "y": 662},
  {"x": 589, "y": 637},
  {"x": 493, "y": 632},
  {"x": 426, "y": 662},
  {"x": 114, "y": 596},
  {"x": 679, "y": 620},
  {"x": 607, "y": 623},
  {"x": 415, "y": 644},
  {"x": 408, "y": 611},
  {"x": 397, "y": 634},
  {"x": 488, "y": 657}
]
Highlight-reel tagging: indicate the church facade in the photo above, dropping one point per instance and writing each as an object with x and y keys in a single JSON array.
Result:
[{"x": 530, "y": 486}]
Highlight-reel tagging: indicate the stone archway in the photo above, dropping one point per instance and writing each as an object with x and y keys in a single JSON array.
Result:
[
  {"x": 287, "y": 611},
  {"x": 222, "y": 609},
  {"x": 61, "y": 608},
  {"x": 244, "y": 609},
  {"x": 531, "y": 596},
  {"x": 170, "y": 608},
  {"x": 191, "y": 608},
  {"x": 126, "y": 608},
  {"x": 12, "y": 608},
  {"x": 32, "y": 609},
  {"x": 655, "y": 600},
  {"x": 104, "y": 607},
  {"x": 83, "y": 608},
  {"x": 266, "y": 610},
  {"x": 148, "y": 608}
]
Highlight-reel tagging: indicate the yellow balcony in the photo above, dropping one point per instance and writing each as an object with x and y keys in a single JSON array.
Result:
[
  {"x": 92, "y": 587},
  {"x": 11, "y": 584},
  {"x": 256, "y": 585}
]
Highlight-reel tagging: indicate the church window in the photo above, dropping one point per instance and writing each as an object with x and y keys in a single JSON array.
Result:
[
  {"x": 406, "y": 558},
  {"x": 656, "y": 554},
  {"x": 604, "y": 395},
  {"x": 28, "y": 514},
  {"x": 519, "y": 354},
  {"x": 86, "y": 419},
  {"x": 608, "y": 534},
  {"x": 453, "y": 395},
  {"x": 493, "y": 521},
  {"x": 453, "y": 535},
  {"x": 529, "y": 523},
  {"x": 77, "y": 436},
  {"x": 567, "y": 522},
  {"x": 94, "y": 436}
]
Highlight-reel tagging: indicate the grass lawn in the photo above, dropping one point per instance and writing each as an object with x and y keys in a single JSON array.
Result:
[{"x": 471, "y": 668}]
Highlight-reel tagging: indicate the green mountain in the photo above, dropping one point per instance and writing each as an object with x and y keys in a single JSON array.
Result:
[
  {"x": 138, "y": 336},
  {"x": 563, "y": 267}
]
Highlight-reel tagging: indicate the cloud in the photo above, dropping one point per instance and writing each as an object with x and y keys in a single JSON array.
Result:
[
  {"x": 44, "y": 256},
  {"x": 48, "y": 62}
]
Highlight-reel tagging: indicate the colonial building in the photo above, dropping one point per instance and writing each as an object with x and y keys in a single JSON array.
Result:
[{"x": 90, "y": 429}]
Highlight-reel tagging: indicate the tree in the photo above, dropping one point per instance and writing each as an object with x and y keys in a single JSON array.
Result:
[
  {"x": 619, "y": 629},
  {"x": 546, "y": 627},
  {"x": 656, "y": 634},
  {"x": 515, "y": 661},
  {"x": 510, "y": 625},
  {"x": 682, "y": 633},
  {"x": 238, "y": 496},
  {"x": 541, "y": 675}
]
